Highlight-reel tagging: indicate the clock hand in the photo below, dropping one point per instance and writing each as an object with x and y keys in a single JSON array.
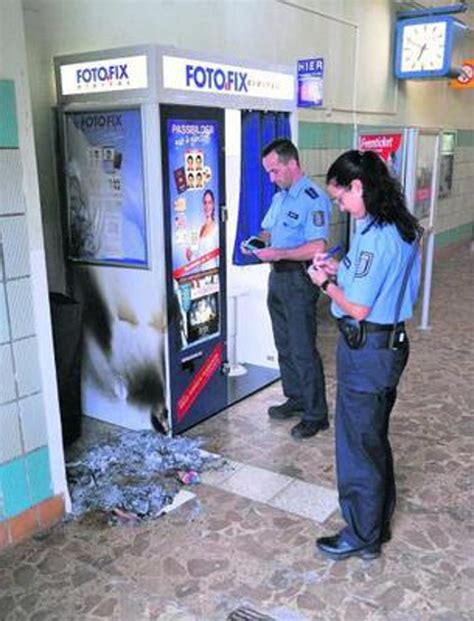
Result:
[
  {"x": 423, "y": 48},
  {"x": 413, "y": 42}
]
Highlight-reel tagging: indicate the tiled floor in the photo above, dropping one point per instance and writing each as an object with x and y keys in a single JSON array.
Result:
[
  {"x": 223, "y": 548},
  {"x": 277, "y": 490}
]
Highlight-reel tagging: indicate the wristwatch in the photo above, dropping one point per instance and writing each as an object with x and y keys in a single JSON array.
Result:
[{"x": 324, "y": 285}]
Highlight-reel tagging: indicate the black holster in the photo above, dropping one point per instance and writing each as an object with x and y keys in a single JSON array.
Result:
[{"x": 353, "y": 331}]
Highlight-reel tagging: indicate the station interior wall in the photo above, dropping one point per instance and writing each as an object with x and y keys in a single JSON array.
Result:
[{"x": 355, "y": 37}]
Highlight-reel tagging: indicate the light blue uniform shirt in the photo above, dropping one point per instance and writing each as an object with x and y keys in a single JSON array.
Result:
[
  {"x": 372, "y": 272},
  {"x": 298, "y": 215}
]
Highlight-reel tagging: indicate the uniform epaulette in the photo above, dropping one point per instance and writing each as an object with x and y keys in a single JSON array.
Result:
[{"x": 311, "y": 192}]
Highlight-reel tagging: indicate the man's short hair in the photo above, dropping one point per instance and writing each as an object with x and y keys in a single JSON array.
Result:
[{"x": 284, "y": 148}]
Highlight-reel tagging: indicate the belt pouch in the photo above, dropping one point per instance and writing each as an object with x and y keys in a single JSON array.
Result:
[{"x": 354, "y": 332}]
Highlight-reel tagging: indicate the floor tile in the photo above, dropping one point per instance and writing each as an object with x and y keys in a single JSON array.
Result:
[
  {"x": 255, "y": 483},
  {"x": 181, "y": 497},
  {"x": 218, "y": 476},
  {"x": 308, "y": 500}
]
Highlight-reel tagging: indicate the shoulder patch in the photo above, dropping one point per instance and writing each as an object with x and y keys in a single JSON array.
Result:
[
  {"x": 318, "y": 218},
  {"x": 311, "y": 192},
  {"x": 364, "y": 264}
]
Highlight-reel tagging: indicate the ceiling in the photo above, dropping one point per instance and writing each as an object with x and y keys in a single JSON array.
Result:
[{"x": 467, "y": 17}]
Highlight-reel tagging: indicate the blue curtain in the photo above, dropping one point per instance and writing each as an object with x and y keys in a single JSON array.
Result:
[{"x": 256, "y": 191}]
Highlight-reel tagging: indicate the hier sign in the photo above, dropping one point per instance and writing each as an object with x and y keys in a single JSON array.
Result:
[{"x": 310, "y": 82}]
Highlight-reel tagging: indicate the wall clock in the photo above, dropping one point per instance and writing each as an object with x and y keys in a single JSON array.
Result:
[{"x": 428, "y": 47}]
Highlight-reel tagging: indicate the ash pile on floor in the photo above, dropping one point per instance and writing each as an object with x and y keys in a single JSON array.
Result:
[{"x": 134, "y": 475}]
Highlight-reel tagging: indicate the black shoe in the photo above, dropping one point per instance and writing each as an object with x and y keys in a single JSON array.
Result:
[
  {"x": 285, "y": 410},
  {"x": 307, "y": 428},
  {"x": 386, "y": 534},
  {"x": 337, "y": 549}
]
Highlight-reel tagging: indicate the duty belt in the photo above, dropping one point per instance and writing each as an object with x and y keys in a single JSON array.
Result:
[
  {"x": 371, "y": 326},
  {"x": 290, "y": 266}
]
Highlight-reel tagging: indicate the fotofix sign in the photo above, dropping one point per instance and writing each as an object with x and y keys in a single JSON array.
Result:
[
  {"x": 187, "y": 74},
  {"x": 99, "y": 76}
]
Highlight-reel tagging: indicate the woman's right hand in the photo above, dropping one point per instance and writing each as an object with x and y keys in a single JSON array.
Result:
[
  {"x": 245, "y": 250},
  {"x": 322, "y": 262}
]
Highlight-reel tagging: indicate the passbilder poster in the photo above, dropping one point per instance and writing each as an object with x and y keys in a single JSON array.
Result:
[{"x": 193, "y": 178}]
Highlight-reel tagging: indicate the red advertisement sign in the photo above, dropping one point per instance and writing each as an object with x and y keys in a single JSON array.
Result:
[
  {"x": 192, "y": 265},
  {"x": 388, "y": 146},
  {"x": 199, "y": 381}
]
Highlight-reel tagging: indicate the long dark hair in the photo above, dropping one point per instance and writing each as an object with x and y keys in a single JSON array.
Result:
[{"x": 382, "y": 193}]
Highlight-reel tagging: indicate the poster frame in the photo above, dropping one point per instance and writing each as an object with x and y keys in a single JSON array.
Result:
[
  {"x": 383, "y": 133},
  {"x": 444, "y": 154},
  {"x": 107, "y": 108},
  {"x": 197, "y": 368}
]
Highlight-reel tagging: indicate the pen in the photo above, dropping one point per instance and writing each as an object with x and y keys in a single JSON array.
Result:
[{"x": 332, "y": 251}]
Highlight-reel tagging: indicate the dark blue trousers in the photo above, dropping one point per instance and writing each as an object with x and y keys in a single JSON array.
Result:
[
  {"x": 367, "y": 380},
  {"x": 292, "y": 301}
]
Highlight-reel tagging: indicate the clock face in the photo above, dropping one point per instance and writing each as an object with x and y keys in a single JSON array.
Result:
[{"x": 423, "y": 47}]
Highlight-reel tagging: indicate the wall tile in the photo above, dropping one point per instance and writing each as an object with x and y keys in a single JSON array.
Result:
[
  {"x": 4, "y": 327},
  {"x": 24, "y": 526},
  {"x": 8, "y": 124},
  {"x": 27, "y": 366},
  {"x": 20, "y": 303},
  {"x": 2, "y": 507},
  {"x": 7, "y": 385},
  {"x": 33, "y": 422},
  {"x": 11, "y": 191},
  {"x": 454, "y": 235},
  {"x": 14, "y": 484},
  {"x": 14, "y": 238},
  {"x": 10, "y": 437},
  {"x": 39, "y": 475},
  {"x": 325, "y": 135},
  {"x": 51, "y": 511},
  {"x": 465, "y": 138}
]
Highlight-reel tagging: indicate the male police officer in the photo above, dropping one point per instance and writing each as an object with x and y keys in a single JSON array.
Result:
[{"x": 295, "y": 227}]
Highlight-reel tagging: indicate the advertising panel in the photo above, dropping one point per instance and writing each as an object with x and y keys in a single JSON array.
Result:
[
  {"x": 388, "y": 146},
  {"x": 424, "y": 174},
  {"x": 104, "y": 182},
  {"x": 193, "y": 178},
  {"x": 446, "y": 164}
]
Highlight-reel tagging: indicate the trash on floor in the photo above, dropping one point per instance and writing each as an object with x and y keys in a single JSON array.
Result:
[
  {"x": 135, "y": 475},
  {"x": 189, "y": 478},
  {"x": 244, "y": 613}
]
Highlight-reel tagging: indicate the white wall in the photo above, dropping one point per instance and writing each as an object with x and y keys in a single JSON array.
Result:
[{"x": 13, "y": 66}]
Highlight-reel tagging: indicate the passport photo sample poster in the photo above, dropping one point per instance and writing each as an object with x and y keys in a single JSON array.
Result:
[
  {"x": 193, "y": 169},
  {"x": 106, "y": 202}
]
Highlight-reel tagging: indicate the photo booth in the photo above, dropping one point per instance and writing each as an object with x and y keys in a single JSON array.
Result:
[{"x": 162, "y": 179}]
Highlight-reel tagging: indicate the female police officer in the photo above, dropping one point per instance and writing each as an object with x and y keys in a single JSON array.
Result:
[{"x": 376, "y": 288}]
